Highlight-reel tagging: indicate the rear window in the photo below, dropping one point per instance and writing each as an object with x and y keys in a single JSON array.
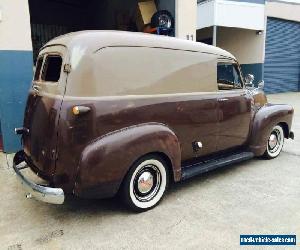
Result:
[
  {"x": 38, "y": 68},
  {"x": 52, "y": 68}
]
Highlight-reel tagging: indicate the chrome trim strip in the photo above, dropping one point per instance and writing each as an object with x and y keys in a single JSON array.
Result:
[{"x": 36, "y": 191}]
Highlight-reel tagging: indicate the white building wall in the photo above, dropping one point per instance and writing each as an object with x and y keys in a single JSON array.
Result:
[
  {"x": 231, "y": 14},
  {"x": 289, "y": 10},
  {"x": 15, "y": 32},
  {"x": 206, "y": 14},
  {"x": 246, "y": 45},
  {"x": 240, "y": 14},
  {"x": 186, "y": 19}
]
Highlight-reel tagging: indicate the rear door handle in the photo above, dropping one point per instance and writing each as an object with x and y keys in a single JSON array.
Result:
[
  {"x": 223, "y": 99},
  {"x": 21, "y": 131},
  {"x": 36, "y": 87},
  {"x": 79, "y": 110}
]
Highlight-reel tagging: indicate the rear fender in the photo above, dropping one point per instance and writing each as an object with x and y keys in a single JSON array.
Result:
[
  {"x": 264, "y": 120},
  {"x": 105, "y": 162}
]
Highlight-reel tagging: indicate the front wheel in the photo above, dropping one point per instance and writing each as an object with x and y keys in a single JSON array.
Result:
[
  {"x": 275, "y": 142},
  {"x": 145, "y": 183}
]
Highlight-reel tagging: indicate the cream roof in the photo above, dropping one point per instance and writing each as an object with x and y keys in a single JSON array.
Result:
[{"x": 92, "y": 41}]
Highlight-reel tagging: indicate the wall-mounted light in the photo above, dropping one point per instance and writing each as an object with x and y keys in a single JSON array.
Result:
[{"x": 259, "y": 32}]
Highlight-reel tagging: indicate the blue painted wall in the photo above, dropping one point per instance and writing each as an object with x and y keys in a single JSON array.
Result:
[
  {"x": 15, "y": 78},
  {"x": 256, "y": 69}
]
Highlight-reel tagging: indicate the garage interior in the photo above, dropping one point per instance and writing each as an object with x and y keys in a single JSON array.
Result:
[{"x": 51, "y": 18}]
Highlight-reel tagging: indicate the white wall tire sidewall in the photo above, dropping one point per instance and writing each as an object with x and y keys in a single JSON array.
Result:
[
  {"x": 160, "y": 192},
  {"x": 277, "y": 152}
]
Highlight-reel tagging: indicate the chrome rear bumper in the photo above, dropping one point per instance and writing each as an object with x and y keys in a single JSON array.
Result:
[{"x": 33, "y": 190}]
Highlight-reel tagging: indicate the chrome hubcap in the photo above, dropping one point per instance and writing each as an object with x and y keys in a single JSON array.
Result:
[
  {"x": 274, "y": 143},
  {"x": 145, "y": 182}
]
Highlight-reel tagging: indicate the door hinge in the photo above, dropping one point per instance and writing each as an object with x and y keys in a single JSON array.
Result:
[{"x": 67, "y": 68}]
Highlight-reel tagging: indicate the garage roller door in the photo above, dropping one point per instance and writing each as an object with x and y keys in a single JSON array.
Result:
[{"x": 282, "y": 58}]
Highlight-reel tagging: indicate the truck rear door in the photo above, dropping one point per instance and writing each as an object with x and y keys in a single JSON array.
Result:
[{"x": 43, "y": 109}]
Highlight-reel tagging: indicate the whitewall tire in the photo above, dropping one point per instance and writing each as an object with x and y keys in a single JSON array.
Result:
[
  {"x": 275, "y": 142},
  {"x": 145, "y": 184}
]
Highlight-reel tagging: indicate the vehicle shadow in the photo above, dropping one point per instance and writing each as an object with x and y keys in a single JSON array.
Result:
[
  {"x": 114, "y": 205},
  {"x": 211, "y": 175}
]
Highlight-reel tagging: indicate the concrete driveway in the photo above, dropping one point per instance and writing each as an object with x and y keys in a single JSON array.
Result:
[{"x": 207, "y": 212}]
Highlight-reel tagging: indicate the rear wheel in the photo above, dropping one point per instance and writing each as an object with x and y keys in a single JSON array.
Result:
[
  {"x": 145, "y": 183},
  {"x": 275, "y": 142}
]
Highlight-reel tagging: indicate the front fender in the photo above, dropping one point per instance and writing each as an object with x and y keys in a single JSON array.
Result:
[
  {"x": 264, "y": 120},
  {"x": 105, "y": 162}
]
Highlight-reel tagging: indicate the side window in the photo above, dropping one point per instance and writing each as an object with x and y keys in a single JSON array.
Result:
[
  {"x": 228, "y": 76},
  {"x": 52, "y": 68}
]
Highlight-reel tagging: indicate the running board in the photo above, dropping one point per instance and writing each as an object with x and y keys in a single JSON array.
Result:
[{"x": 203, "y": 167}]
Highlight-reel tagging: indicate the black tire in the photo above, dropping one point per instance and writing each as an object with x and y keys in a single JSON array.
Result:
[
  {"x": 275, "y": 143},
  {"x": 134, "y": 191},
  {"x": 155, "y": 20}
]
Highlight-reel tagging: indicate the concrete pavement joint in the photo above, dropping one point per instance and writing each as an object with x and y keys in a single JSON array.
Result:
[
  {"x": 15, "y": 247},
  {"x": 170, "y": 228},
  {"x": 46, "y": 238}
]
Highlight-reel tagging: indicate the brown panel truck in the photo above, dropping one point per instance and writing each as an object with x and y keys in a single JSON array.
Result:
[{"x": 118, "y": 112}]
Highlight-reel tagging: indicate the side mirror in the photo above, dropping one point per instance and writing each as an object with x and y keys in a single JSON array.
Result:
[
  {"x": 261, "y": 85},
  {"x": 249, "y": 80}
]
